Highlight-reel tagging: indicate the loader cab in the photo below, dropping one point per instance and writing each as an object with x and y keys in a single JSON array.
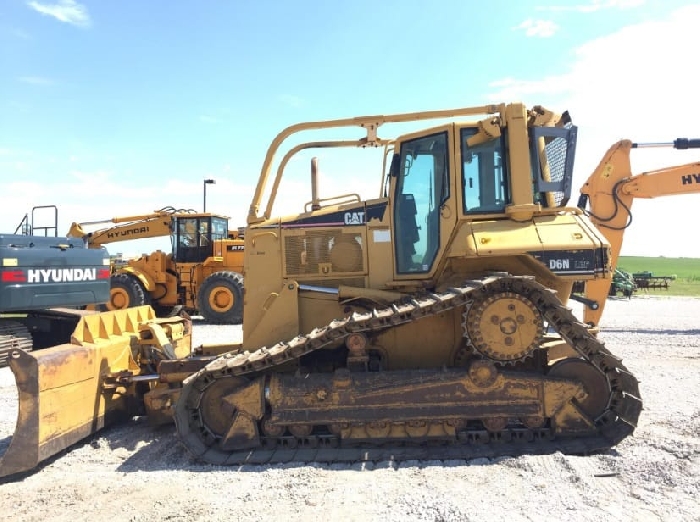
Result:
[{"x": 193, "y": 237}]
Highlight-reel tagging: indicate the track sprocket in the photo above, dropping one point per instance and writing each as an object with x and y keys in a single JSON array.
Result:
[{"x": 504, "y": 327}]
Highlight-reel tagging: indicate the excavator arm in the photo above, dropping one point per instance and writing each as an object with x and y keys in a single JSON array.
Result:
[
  {"x": 157, "y": 224},
  {"x": 609, "y": 192}
]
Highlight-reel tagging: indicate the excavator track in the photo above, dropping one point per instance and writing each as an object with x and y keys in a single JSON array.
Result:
[
  {"x": 13, "y": 336},
  {"x": 616, "y": 420}
]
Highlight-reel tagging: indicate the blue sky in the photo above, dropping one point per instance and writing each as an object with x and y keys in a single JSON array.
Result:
[{"x": 119, "y": 108}]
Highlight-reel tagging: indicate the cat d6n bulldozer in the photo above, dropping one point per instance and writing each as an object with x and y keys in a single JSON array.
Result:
[
  {"x": 429, "y": 322},
  {"x": 202, "y": 274}
]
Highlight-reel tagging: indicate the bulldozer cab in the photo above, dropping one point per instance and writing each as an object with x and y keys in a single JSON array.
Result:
[
  {"x": 194, "y": 236},
  {"x": 456, "y": 174}
]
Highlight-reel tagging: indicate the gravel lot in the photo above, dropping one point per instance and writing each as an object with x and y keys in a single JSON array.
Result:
[{"x": 134, "y": 472}]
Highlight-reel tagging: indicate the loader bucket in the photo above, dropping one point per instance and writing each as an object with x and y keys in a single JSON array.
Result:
[{"x": 61, "y": 389}]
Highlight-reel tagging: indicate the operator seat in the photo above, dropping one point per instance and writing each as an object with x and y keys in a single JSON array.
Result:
[{"x": 407, "y": 233}]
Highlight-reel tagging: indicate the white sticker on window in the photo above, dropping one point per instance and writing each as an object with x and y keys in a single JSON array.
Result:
[{"x": 381, "y": 236}]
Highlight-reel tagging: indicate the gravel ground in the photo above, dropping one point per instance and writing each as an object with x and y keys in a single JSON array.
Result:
[{"x": 134, "y": 472}]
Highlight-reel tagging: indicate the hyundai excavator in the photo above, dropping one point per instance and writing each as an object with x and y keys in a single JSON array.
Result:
[
  {"x": 429, "y": 322},
  {"x": 44, "y": 281},
  {"x": 202, "y": 273}
]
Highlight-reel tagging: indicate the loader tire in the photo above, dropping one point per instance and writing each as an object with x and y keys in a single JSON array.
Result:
[
  {"x": 126, "y": 292},
  {"x": 220, "y": 298}
]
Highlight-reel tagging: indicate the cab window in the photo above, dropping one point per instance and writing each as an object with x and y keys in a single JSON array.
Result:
[
  {"x": 421, "y": 189},
  {"x": 187, "y": 232},
  {"x": 219, "y": 228},
  {"x": 193, "y": 240},
  {"x": 483, "y": 175}
]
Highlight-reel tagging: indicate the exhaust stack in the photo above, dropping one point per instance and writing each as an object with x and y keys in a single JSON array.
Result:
[{"x": 315, "y": 201}]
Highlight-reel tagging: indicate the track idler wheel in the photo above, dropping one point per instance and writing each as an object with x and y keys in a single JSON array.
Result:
[
  {"x": 593, "y": 381},
  {"x": 272, "y": 430},
  {"x": 301, "y": 431},
  {"x": 215, "y": 417}
]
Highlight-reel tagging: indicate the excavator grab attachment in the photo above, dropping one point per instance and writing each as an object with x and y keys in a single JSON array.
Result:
[{"x": 70, "y": 391}]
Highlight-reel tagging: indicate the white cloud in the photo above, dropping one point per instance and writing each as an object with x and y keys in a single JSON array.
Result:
[
  {"x": 67, "y": 11},
  {"x": 20, "y": 33},
  {"x": 291, "y": 100},
  {"x": 36, "y": 80},
  {"x": 19, "y": 106},
  {"x": 593, "y": 6},
  {"x": 511, "y": 88},
  {"x": 538, "y": 28},
  {"x": 631, "y": 84},
  {"x": 547, "y": 28}
]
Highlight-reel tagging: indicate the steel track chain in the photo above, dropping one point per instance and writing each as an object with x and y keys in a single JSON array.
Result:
[
  {"x": 614, "y": 424},
  {"x": 13, "y": 336}
]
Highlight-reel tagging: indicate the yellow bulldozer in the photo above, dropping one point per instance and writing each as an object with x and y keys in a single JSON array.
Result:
[
  {"x": 429, "y": 322},
  {"x": 202, "y": 273}
]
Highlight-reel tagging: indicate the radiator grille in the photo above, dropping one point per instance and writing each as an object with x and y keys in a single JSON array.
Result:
[{"x": 324, "y": 252}]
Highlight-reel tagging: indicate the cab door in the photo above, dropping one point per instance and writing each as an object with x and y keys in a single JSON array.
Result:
[{"x": 422, "y": 213}]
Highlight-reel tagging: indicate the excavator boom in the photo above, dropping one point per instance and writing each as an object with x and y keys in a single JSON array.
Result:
[
  {"x": 609, "y": 192},
  {"x": 159, "y": 223}
]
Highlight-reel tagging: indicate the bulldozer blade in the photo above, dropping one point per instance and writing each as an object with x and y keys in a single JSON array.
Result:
[
  {"x": 60, "y": 402},
  {"x": 62, "y": 391}
]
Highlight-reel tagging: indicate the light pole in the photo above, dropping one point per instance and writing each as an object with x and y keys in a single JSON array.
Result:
[{"x": 207, "y": 182}]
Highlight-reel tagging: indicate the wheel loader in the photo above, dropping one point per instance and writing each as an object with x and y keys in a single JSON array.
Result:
[
  {"x": 429, "y": 322},
  {"x": 202, "y": 273}
]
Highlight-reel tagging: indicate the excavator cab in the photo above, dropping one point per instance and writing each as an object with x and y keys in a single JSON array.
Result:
[{"x": 194, "y": 237}]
